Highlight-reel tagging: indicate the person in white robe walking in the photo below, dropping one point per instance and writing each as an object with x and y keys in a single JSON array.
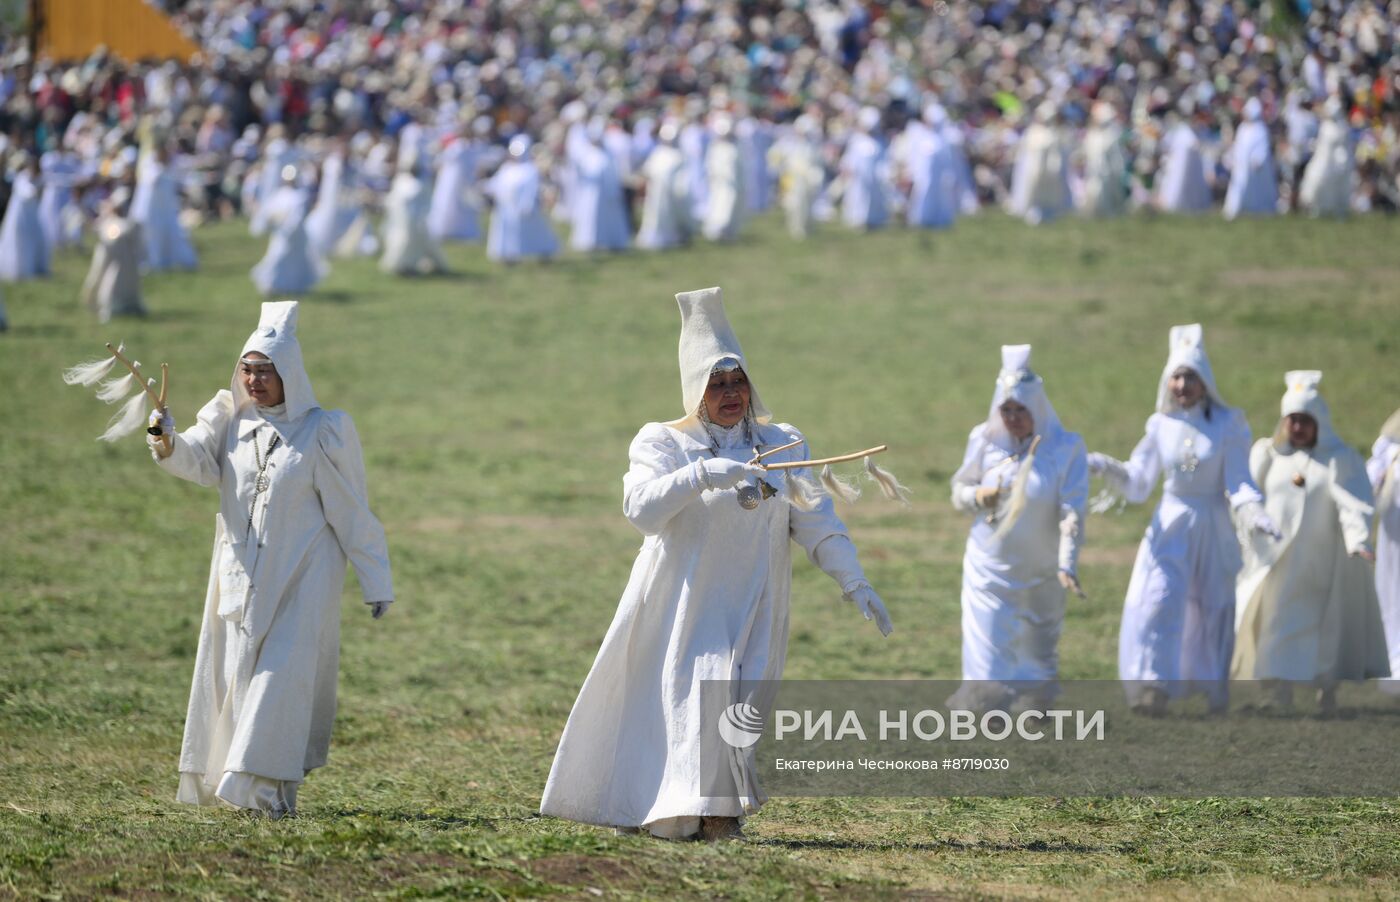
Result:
[
  {"x": 60, "y": 171},
  {"x": 24, "y": 252},
  {"x": 797, "y": 159},
  {"x": 291, "y": 265},
  {"x": 408, "y": 247},
  {"x": 292, "y": 509},
  {"x": 1253, "y": 187},
  {"x": 1040, "y": 176},
  {"x": 519, "y": 226},
  {"x": 1306, "y": 608},
  {"x": 1105, "y": 166},
  {"x": 865, "y": 203},
  {"x": 1025, "y": 481},
  {"x": 933, "y": 184},
  {"x": 707, "y": 600},
  {"x": 666, "y": 218},
  {"x": 156, "y": 208},
  {"x": 335, "y": 210},
  {"x": 725, "y": 207},
  {"x": 113, "y": 284},
  {"x": 1183, "y": 187},
  {"x": 1383, "y": 469},
  {"x": 454, "y": 214},
  {"x": 1178, "y": 627},
  {"x": 1328, "y": 178},
  {"x": 597, "y": 220}
]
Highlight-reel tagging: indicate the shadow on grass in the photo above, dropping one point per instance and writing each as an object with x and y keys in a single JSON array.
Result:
[
  {"x": 449, "y": 821},
  {"x": 938, "y": 845}
]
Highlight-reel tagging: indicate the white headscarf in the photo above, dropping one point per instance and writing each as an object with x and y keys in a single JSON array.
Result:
[
  {"x": 1186, "y": 348},
  {"x": 276, "y": 337},
  {"x": 1017, "y": 382},
  {"x": 1302, "y": 397},
  {"x": 706, "y": 339}
]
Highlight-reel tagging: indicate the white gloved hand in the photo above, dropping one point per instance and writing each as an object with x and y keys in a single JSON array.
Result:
[
  {"x": 870, "y": 606},
  {"x": 378, "y": 609},
  {"x": 1263, "y": 524},
  {"x": 987, "y": 496},
  {"x": 721, "y": 473},
  {"x": 165, "y": 420},
  {"x": 1071, "y": 583}
]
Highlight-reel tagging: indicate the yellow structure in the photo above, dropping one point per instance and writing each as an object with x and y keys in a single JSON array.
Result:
[{"x": 131, "y": 29}]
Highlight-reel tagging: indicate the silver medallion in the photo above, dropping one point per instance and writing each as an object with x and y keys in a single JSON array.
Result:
[
  {"x": 261, "y": 484},
  {"x": 749, "y": 497}
]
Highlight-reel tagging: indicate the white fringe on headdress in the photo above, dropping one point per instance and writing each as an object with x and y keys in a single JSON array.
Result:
[
  {"x": 113, "y": 390},
  {"x": 803, "y": 493},
  {"x": 1016, "y": 504},
  {"x": 889, "y": 485},
  {"x": 92, "y": 372},
  {"x": 837, "y": 487},
  {"x": 130, "y": 418}
]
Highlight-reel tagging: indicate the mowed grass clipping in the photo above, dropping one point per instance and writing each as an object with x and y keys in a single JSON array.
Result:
[{"x": 496, "y": 406}]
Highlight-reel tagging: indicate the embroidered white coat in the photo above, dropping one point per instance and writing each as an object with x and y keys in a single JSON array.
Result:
[
  {"x": 707, "y": 600},
  {"x": 263, "y": 700}
]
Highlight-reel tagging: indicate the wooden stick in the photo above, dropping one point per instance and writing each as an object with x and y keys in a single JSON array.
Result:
[
  {"x": 759, "y": 457},
  {"x": 164, "y": 383},
  {"x": 800, "y": 464},
  {"x": 137, "y": 373}
]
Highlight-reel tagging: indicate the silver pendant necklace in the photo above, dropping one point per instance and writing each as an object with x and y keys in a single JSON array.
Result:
[
  {"x": 262, "y": 482},
  {"x": 749, "y": 495}
]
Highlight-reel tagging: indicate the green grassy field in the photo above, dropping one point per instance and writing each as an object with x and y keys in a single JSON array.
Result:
[{"x": 495, "y": 407}]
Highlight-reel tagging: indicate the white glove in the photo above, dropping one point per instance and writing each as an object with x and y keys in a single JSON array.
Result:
[
  {"x": 987, "y": 496},
  {"x": 378, "y": 609},
  {"x": 721, "y": 473},
  {"x": 1259, "y": 521},
  {"x": 165, "y": 420},
  {"x": 870, "y": 606},
  {"x": 1100, "y": 463}
]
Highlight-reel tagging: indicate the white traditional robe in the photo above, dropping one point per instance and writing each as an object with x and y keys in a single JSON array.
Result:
[
  {"x": 1183, "y": 187},
  {"x": 333, "y": 218},
  {"x": 801, "y": 174},
  {"x": 965, "y": 189},
  {"x": 1383, "y": 468},
  {"x": 755, "y": 139},
  {"x": 263, "y": 700},
  {"x": 24, "y": 252},
  {"x": 725, "y": 206},
  {"x": 1012, "y": 602},
  {"x": 933, "y": 200},
  {"x": 666, "y": 218},
  {"x": 408, "y": 248},
  {"x": 694, "y": 144},
  {"x": 519, "y": 227},
  {"x": 1105, "y": 172},
  {"x": 291, "y": 266},
  {"x": 113, "y": 284},
  {"x": 277, "y": 154},
  {"x": 1253, "y": 187},
  {"x": 865, "y": 203},
  {"x": 707, "y": 600},
  {"x": 1306, "y": 609},
  {"x": 1040, "y": 177},
  {"x": 1327, "y": 180},
  {"x": 597, "y": 219},
  {"x": 56, "y": 209},
  {"x": 155, "y": 206},
  {"x": 453, "y": 214}
]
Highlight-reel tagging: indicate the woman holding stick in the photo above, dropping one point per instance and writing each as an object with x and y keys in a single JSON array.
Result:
[
  {"x": 719, "y": 499},
  {"x": 1178, "y": 628},
  {"x": 292, "y": 509},
  {"x": 1025, "y": 481}
]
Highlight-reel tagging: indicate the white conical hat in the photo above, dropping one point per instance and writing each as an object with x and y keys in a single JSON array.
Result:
[
  {"x": 1018, "y": 382},
  {"x": 1186, "y": 348},
  {"x": 706, "y": 339},
  {"x": 1302, "y": 396},
  {"x": 276, "y": 337}
]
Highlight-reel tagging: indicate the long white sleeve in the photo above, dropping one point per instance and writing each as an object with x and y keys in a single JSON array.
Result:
[
  {"x": 340, "y": 484},
  {"x": 660, "y": 482},
  {"x": 197, "y": 453},
  {"x": 1074, "y": 499}
]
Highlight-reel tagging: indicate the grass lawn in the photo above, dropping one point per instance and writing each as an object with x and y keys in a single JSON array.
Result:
[{"x": 495, "y": 407}]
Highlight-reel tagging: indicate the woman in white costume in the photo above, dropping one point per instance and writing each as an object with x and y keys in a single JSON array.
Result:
[
  {"x": 291, "y": 265},
  {"x": 666, "y": 218},
  {"x": 408, "y": 248},
  {"x": 519, "y": 227},
  {"x": 707, "y": 600},
  {"x": 156, "y": 208},
  {"x": 1040, "y": 177},
  {"x": 1179, "y": 615},
  {"x": 597, "y": 218},
  {"x": 24, "y": 252},
  {"x": 1023, "y": 551},
  {"x": 1105, "y": 167},
  {"x": 1253, "y": 187},
  {"x": 113, "y": 284},
  {"x": 453, "y": 214},
  {"x": 1327, "y": 180},
  {"x": 1306, "y": 606},
  {"x": 865, "y": 204},
  {"x": 1383, "y": 468},
  {"x": 933, "y": 199},
  {"x": 725, "y": 207},
  {"x": 336, "y": 210},
  {"x": 797, "y": 158},
  {"x": 1183, "y": 187},
  {"x": 292, "y": 509}
]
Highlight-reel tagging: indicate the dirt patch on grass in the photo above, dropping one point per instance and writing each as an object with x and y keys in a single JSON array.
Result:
[{"x": 584, "y": 872}]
